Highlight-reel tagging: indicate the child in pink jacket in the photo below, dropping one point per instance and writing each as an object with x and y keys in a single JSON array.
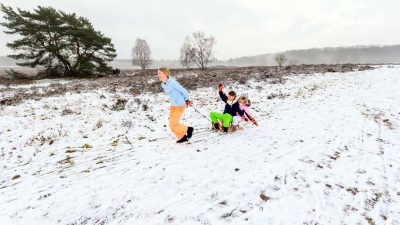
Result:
[{"x": 244, "y": 104}]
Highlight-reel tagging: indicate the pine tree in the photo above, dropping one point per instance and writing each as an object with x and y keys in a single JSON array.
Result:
[{"x": 62, "y": 43}]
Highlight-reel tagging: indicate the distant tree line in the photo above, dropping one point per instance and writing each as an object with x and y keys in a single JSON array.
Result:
[
  {"x": 64, "y": 44},
  {"x": 332, "y": 55}
]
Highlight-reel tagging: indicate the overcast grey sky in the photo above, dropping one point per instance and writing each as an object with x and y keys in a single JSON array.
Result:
[{"x": 241, "y": 27}]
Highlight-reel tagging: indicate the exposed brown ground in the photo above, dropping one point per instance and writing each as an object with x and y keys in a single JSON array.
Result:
[{"x": 137, "y": 82}]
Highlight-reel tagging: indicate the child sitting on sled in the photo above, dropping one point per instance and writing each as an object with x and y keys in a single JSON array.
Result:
[
  {"x": 244, "y": 104},
  {"x": 231, "y": 109}
]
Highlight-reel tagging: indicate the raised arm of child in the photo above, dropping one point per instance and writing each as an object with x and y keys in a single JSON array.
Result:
[{"x": 222, "y": 94}]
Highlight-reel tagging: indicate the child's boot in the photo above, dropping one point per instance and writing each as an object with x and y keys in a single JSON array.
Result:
[
  {"x": 189, "y": 132},
  {"x": 183, "y": 139},
  {"x": 235, "y": 127},
  {"x": 215, "y": 126}
]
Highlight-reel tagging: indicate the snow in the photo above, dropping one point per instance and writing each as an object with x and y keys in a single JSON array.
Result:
[
  {"x": 40, "y": 83},
  {"x": 326, "y": 152}
]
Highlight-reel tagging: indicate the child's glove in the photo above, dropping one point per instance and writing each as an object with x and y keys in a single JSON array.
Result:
[
  {"x": 245, "y": 118},
  {"x": 220, "y": 87},
  {"x": 254, "y": 122},
  {"x": 188, "y": 102}
]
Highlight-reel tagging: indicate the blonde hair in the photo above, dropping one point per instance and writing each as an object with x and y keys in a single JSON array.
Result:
[
  {"x": 165, "y": 70},
  {"x": 245, "y": 99}
]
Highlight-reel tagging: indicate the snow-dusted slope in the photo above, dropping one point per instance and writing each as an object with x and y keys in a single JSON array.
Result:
[{"x": 327, "y": 152}]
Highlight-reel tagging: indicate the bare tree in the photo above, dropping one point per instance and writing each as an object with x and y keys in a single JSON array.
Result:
[
  {"x": 187, "y": 53},
  {"x": 198, "y": 50},
  {"x": 280, "y": 59},
  {"x": 141, "y": 54}
]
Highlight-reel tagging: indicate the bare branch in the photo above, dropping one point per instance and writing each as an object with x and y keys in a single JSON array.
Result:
[
  {"x": 197, "y": 50},
  {"x": 280, "y": 59},
  {"x": 141, "y": 54}
]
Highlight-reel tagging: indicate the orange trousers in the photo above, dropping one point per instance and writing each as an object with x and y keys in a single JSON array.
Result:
[{"x": 175, "y": 114}]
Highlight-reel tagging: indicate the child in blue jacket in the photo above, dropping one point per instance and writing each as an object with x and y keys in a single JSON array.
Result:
[{"x": 179, "y": 99}]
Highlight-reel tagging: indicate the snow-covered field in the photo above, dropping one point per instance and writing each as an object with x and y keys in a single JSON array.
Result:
[{"x": 327, "y": 151}]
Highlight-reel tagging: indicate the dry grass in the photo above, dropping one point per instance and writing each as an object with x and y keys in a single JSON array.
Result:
[{"x": 137, "y": 82}]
